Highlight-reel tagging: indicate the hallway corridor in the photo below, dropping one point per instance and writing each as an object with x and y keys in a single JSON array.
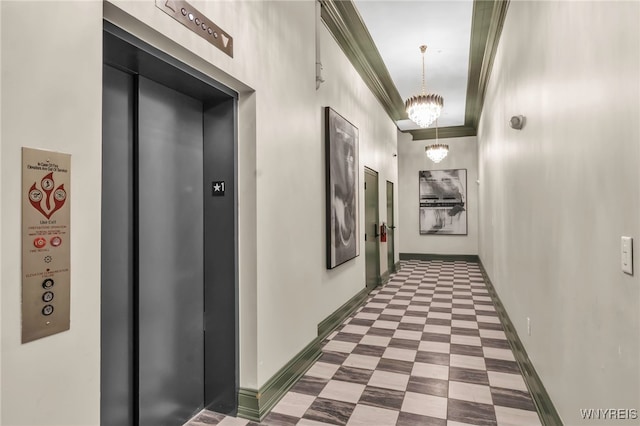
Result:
[{"x": 425, "y": 349}]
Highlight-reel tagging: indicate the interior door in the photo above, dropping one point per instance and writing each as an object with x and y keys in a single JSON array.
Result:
[
  {"x": 390, "y": 229},
  {"x": 371, "y": 226}
]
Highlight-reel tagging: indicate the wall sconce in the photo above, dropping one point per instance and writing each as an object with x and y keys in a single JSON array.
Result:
[{"x": 517, "y": 122}]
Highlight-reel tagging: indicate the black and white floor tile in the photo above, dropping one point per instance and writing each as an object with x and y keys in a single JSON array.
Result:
[{"x": 427, "y": 349}]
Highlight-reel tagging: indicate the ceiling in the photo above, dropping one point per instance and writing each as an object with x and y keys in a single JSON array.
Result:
[
  {"x": 381, "y": 38},
  {"x": 445, "y": 27}
]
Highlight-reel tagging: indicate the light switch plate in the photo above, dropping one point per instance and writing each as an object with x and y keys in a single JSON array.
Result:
[{"x": 626, "y": 254}]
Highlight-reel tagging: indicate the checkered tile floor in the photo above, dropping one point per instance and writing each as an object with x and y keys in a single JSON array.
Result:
[{"x": 426, "y": 349}]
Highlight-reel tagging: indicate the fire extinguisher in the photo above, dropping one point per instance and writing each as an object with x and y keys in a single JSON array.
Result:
[{"x": 383, "y": 233}]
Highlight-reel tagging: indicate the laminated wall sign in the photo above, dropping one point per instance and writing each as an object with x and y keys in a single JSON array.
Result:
[{"x": 46, "y": 182}]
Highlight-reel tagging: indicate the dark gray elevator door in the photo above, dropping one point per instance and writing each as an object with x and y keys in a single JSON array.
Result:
[
  {"x": 171, "y": 267},
  {"x": 117, "y": 237},
  {"x": 169, "y": 248}
]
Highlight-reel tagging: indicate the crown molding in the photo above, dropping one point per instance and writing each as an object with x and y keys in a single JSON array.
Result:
[
  {"x": 345, "y": 24},
  {"x": 443, "y": 132},
  {"x": 480, "y": 23},
  {"x": 486, "y": 28}
]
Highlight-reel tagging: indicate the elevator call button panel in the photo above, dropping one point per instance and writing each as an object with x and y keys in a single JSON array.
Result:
[{"x": 46, "y": 263}]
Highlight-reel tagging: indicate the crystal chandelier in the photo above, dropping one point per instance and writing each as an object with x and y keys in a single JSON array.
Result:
[
  {"x": 437, "y": 151},
  {"x": 424, "y": 109}
]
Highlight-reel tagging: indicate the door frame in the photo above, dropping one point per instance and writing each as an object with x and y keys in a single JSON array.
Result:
[
  {"x": 391, "y": 226},
  {"x": 372, "y": 282},
  {"x": 139, "y": 58}
]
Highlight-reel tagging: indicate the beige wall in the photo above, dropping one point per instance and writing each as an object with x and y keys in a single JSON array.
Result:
[
  {"x": 345, "y": 92},
  {"x": 1, "y": 204},
  {"x": 282, "y": 241},
  {"x": 51, "y": 98},
  {"x": 295, "y": 290},
  {"x": 463, "y": 154},
  {"x": 557, "y": 196},
  {"x": 51, "y": 91}
]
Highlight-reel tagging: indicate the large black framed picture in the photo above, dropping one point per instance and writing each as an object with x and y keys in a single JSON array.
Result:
[
  {"x": 342, "y": 189},
  {"x": 443, "y": 202}
]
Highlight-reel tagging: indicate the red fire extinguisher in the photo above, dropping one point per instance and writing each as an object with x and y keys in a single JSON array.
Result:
[{"x": 383, "y": 233}]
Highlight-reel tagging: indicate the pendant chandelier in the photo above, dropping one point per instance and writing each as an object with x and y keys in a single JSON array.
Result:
[
  {"x": 424, "y": 109},
  {"x": 437, "y": 151}
]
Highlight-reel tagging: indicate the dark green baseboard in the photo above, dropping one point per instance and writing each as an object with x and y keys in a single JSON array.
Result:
[
  {"x": 384, "y": 278},
  {"x": 379, "y": 280},
  {"x": 256, "y": 404},
  {"x": 392, "y": 269},
  {"x": 335, "y": 319},
  {"x": 546, "y": 410},
  {"x": 433, "y": 256}
]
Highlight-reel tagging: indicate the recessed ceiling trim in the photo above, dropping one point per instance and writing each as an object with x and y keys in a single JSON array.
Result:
[
  {"x": 480, "y": 23},
  {"x": 498, "y": 16},
  {"x": 345, "y": 24},
  {"x": 443, "y": 132}
]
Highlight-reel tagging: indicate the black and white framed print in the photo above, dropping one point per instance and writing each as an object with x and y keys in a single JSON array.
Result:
[
  {"x": 443, "y": 202},
  {"x": 342, "y": 189}
]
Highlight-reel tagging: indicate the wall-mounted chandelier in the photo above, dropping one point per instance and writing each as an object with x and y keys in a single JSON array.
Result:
[
  {"x": 437, "y": 151},
  {"x": 424, "y": 109}
]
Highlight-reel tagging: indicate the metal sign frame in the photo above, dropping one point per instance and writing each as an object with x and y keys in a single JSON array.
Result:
[{"x": 46, "y": 238}]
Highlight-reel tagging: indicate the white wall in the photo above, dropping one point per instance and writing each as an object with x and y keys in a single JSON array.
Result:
[
  {"x": 295, "y": 290},
  {"x": 463, "y": 154},
  {"x": 1, "y": 239},
  {"x": 557, "y": 196},
  {"x": 345, "y": 92},
  {"x": 285, "y": 290},
  {"x": 51, "y": 99}
]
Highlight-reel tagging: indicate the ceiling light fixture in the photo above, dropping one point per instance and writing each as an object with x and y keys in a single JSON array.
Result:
[
  {"x": 437, "y": 151},
  {"x": 424, "y": 109}
]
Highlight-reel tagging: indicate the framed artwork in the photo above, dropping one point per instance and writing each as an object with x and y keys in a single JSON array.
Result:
[
  {"x": 443, "y": 202},
  {"x": 342, "y": 189}
]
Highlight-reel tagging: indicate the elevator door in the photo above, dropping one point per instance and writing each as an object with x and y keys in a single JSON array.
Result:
[
  {"x": 153, "y": 343},
  {"x": 170, "y": 223},
  {"x": 118, "y": 372},
  {"x": 169, "y": 304}
]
